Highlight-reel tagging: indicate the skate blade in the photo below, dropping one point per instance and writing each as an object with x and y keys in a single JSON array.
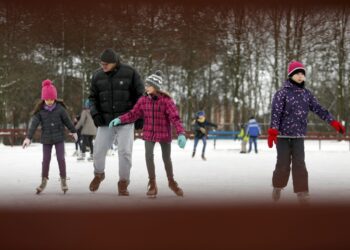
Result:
[{"x": 152, "y": 196}]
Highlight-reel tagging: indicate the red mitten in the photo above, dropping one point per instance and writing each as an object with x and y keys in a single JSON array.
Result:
[
  {"x": 272, "y": 138},
  {"x": 337, "y": 126}
]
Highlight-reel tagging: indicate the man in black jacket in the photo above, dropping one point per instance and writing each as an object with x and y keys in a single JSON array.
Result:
[{"x": 114, "y": 90}]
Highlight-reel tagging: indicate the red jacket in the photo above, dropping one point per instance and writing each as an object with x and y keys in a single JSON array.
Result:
[{"x": 159, "y": 113}]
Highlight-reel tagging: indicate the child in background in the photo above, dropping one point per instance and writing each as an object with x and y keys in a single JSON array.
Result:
[
  {"x": 51, "y": 114},
  {"x": 290, "y": 107},
  {"x": 200, "y": 125},
  {"x": 245, "y": 138},
  {"x": 253, "y": 131},
  {"x": 159, "y": 112}
]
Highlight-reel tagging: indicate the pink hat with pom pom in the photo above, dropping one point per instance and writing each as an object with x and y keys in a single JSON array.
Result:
[{"x": 48, "y": 90}]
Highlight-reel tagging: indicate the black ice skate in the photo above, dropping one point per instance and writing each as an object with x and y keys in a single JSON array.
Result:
[
  {"x": 203, "y": 158},
  {"x": 193, "y": 154},
  {"x": 42, "y": 185}
]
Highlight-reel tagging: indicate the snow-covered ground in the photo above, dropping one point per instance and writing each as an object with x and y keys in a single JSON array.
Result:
[{"x": 227, "y": 177}]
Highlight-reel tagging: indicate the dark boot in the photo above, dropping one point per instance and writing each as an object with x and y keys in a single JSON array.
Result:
[
  {"x": 193, "y": 154},
  {"x": 203, "y": 157},
  {"x": 152, "y": 188},
  {"x": 123, "y": 187},
  {"x": 276, "y": 193},
  {"x": 95, "y": 183},
  {"x": 175, "y": 187}
]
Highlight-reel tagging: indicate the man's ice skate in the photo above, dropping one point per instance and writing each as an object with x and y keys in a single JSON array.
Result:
[
  {"x": 203, "y": 158},
  {"x": 175, "y": 187},
  {"x": 123, "y": 188},
  {"x": 152, "y": 189},
  {"x": 42, "y": 185},
  {"x": 95, "y": 183},
  {"x": 276, "y": 193},
  {"x": 303, "y": 198},
  {"x": 81, "y": 157},
  {"x": 193, "y": 154},
  {"x": 64, "y": 186}
]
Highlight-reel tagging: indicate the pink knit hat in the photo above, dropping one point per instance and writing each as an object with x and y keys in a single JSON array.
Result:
[
  {"x": 295, "y": 67},
  {"x": 48, "y": 90}
]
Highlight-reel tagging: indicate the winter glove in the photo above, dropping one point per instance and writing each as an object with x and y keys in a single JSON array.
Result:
[
  {"x": 203, "y": 130},
  {"x": 75, "y": 136},
  {"x": 114, "y": 123},
  {"x": 98, "y": 120},
  {"x": 272, "y": 137},
  {"x": 338, "y": 126},
  {"x": 181, "y": 141},
  {"x": 26, "y": 142}
]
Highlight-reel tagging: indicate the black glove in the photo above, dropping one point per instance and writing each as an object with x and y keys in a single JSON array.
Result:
[
  {"x": 139, "y": 124},
  {"x": 98, "y": 120}
]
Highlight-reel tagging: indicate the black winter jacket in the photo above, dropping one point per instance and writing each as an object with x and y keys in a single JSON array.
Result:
[
  {"x": 114, "y": 93},
  {"x": 52, "y": 124}
]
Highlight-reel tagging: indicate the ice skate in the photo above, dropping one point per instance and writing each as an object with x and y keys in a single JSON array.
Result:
[
  {"x": 193, "y": 154},
  {"x": 175, "y": 187},
  {"x": 90, "y": 158},
  {"x": 42, "y": 185},
  {"x": 81, "y": 157},
  {"x": 152, "y": 189},
  {"x": 123, "y": 188},
  {"x": 303, "y": 198},
  {"x": 76, "y": 153},
  {"x": 203, "y": 158},
  {"x": 64, "y": 186},
  {"x": 95, "y": 183},
  {"x": 276, "y": 193}
]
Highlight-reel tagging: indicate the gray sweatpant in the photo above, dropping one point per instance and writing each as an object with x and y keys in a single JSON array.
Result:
[
  {"x": 105, "y": 136},
  {"x": 166, "y": 150}
]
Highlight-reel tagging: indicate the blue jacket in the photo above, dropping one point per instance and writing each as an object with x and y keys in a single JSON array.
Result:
[
  {"x": 253, "y": 128},
  {"x": 290, "y": 107}
]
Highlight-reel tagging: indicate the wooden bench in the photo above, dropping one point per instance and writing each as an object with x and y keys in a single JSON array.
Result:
[{"x": 222, "y": 135}]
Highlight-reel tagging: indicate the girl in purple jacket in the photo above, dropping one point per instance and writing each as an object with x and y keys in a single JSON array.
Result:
[
  {"x": 290, "y": 107},
  {"x": 159, "y": 112}
]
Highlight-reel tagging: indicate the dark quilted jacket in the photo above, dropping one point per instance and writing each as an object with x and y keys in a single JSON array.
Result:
[{"x": 52, "y": 124}]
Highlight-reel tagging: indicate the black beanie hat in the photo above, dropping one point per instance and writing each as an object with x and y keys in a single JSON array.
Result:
[{"x": 109, "y": 56}]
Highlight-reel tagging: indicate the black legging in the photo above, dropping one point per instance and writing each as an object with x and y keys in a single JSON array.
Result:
[
  {"x": 87, "y": 141},
  {"x": 166, "y": 150}
]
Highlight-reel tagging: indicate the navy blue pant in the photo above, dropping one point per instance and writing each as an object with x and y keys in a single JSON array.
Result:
[
  {"x": 47, "y": 148},
  {"x": 204, "y": 140},
  {"x": 253, "y": 139},
  {"x": 291, "y": 151}
]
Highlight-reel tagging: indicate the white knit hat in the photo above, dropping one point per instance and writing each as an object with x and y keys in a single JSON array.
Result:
[{"x": 156, "y": 80}]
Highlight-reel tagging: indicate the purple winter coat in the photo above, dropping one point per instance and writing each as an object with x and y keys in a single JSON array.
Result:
[{"x": 290, "y": 107}]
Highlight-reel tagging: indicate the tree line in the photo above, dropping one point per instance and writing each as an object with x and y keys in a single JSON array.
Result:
[{"x": 225, "y": 59}]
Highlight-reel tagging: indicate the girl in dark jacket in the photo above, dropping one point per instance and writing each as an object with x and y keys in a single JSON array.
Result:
[
  {"x": 51, "y": 114},
  {"x": 290, "y": 108}
]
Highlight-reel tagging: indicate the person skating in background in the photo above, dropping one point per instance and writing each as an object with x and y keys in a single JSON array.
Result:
[
  {"x": 114, "y": 90},
  {"x": 78, "y": 146},
  {"x": 159, "y": 112},
  {"x": 51, "y": 114},
  {"x": 88, "y": 131},
  {"x": 200, "y": 126},
  {"x": 290, "y": 107},
  {"x": 253, "y": 131},
  {"x": 245, "y": 138}
]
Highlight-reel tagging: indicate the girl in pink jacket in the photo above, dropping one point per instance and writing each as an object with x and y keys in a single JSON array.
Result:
[{"x": 159, "y": 112}]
